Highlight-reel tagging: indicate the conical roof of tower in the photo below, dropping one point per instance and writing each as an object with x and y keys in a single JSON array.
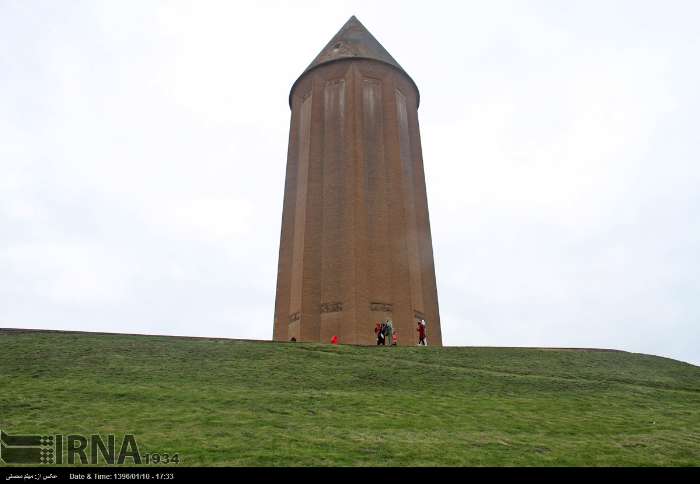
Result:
[{"x": 353, "y": 41}]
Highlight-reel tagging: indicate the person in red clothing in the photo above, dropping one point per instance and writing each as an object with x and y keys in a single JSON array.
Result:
[
  {"x": 334, "y": 340},
  {"x": 421, "y": 333},
  {"x": 379, "y": 331}
]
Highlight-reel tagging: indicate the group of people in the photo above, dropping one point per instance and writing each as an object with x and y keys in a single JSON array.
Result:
[{"x": 385, "y": 333}]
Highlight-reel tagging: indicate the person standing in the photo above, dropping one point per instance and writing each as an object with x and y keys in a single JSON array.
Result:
[
  {"x": 379, "y": 331},
  {"x": 388, "y": 331},
  {"x": 421, "y": 333}
]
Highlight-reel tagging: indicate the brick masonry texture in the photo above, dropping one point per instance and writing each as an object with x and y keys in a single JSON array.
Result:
[{"x": 355, "y": 243}]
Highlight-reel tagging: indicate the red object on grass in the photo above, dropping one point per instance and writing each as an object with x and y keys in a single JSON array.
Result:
[{"x": 334, "y": 340}]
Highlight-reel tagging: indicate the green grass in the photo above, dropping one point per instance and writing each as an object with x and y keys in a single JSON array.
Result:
[{"x": 228, "y": 402}]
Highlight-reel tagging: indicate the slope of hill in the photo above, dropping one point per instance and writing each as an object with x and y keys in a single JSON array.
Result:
[{"x": 230, "y": 402}]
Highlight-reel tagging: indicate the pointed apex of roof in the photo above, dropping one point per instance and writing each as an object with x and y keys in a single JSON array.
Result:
[{"x": 353, "y": 40}]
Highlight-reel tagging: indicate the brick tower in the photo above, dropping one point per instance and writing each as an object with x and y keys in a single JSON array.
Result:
[{"x": 355, "y": 244}]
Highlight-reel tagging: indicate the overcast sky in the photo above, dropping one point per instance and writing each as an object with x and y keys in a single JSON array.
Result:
[{"x": 143, "y": 148}]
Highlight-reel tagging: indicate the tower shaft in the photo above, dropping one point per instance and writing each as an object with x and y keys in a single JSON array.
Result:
[{"x": 355, "y": 244}]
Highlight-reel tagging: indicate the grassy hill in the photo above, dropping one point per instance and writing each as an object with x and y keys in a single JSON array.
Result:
[{"x": 229, "y": 402}]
